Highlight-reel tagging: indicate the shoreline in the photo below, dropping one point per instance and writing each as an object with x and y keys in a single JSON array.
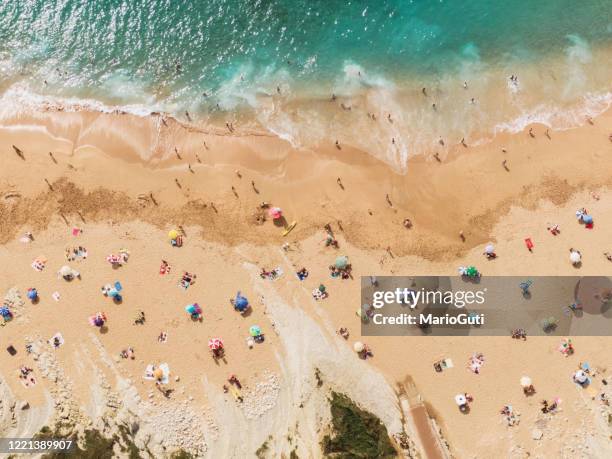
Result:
[{"x": 441, "y": 198}]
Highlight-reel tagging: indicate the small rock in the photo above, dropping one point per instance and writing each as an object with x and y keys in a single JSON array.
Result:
[{"x": 537, "y": 434}]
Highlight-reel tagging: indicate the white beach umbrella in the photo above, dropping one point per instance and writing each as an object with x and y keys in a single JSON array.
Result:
[
  {"x": 580, "y": 376},
  {"x": 358, "y": 346},
  {"x": 65, "y": 271},
  {"x": 460, "y": 399},
  {"x": 525, "y": 381},
  {"x": 575, "y": 257},
  {"x": 490, "y": 249}
]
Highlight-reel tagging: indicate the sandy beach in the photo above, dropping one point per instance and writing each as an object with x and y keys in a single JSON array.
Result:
[{"x": 125, "y": 181}]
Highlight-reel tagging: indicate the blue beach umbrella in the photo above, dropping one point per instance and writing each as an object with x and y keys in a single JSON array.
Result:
[
  {"x": 241, "y": 303},
  {"x": 5, "y": 312},
  {"x": 32, "y": 293}
]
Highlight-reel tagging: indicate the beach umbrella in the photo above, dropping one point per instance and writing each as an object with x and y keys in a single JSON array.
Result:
[
  {"x": 173, "y": 234},
  {"x": 460, "y": 399},
  {"x": 241, "y": 302},
  {"x": 158, "y": 373},
  {"x": 5, "y": 311},
  {"x": 490, "y": 249},
  {"x": 341, "y": 262},
  {"x": 98, "y": 319},
  {"x": 32, "y": 293},
  {"x": 525, "y": 381},
  {"x": 358, "y": 346},
  {"x": 65, "y": 271},
  {"x": 275, "y": 212},
  {"x": 255, "y": 330},
  {"x": 193, "y": 309},
  {"x": 215, "y": 343},
  {"x": 587, "y": 219},
  {"x": 471, "y": 271},
  {"x": 575, "y": 257},
  {"x": 580, "y": 377}
]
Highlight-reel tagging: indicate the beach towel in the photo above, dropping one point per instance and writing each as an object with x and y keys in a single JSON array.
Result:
[
  {"x": 318, "y": 294},
  {"x": 39, "y": 263},
  {"x": 475, "y": 363},
  {"x": 164, "y": 268},
  {"x": 149, "y": 372},
  {"x": 76, "y": 231},
  {"x": 274, "y": 274}
]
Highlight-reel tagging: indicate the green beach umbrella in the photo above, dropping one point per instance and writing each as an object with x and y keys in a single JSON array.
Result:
[
  {"x": 255, "y": 330},
  {"x": 341, "y": 262}
]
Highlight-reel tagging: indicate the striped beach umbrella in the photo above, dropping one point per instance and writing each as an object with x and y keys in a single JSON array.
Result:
[{"x": 215, "y": 343}]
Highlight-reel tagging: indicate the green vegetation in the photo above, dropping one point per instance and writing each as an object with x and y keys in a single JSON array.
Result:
[
  {"x": 181, "y": 454},
  {"x": 357, "y": 433},
  {"x": 263, "y": 449},
  {"x": 94, "y": 445}
]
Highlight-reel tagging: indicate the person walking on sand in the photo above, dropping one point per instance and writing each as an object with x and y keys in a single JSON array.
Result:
[
  {"x": 531, "y": 134},
  {"x": 389, "y": 200},
  {"x": 505, "y": 165},
  {"x": 338, "y": 145},
  {"x": 339, "y": 182},
  {"x": 608, "y": 256}
]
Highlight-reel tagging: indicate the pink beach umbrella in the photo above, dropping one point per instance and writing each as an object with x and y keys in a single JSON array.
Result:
[
  {"x": 215, "y": 343},
  {"x": 98, "y": 319},
  {"x": 275, "y": 213},
  {"x": 113, "y": 259}
]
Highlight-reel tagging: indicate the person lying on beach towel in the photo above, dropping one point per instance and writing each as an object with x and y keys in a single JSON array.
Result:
[
  {"x": 476, "y": 362},
  {"x": 39, "y": 263},
  {"x": 271, "y": 275},
  {"x": 164, "y": 268},
  {"x": 187, "y": 280},
  {"x": 26, "y": 377},
  {"x": 56, "y": 340},
  {"x": 320, "y": 293}
]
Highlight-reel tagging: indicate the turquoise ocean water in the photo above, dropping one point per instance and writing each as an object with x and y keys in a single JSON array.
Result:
[{"x": 276, "y": 63}]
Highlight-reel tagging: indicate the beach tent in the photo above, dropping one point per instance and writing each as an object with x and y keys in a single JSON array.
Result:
[
  {"x": 215, "y": 343},
  {"x": 341, "y": 262},
  {"x": 525, "y": 381},
  {"x": 460, "y": 399},
  {"x": 255, "y": 330},
  {"x": 275, "y": 213},
  {"x": 358, "y": 346}
]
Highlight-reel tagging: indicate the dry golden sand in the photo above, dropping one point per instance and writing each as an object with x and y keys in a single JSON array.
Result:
[{"x": 115, "y": 178}]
